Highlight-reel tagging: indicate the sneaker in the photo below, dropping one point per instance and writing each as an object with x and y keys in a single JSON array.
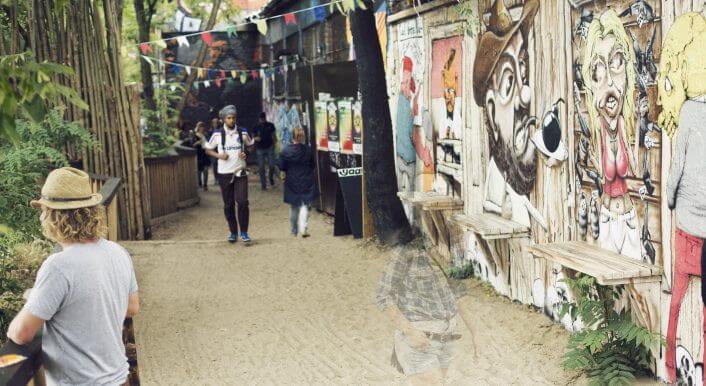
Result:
[
  {"x": 233, "y": 238},
  {"x": 245, "y": 237},
  {"x": 305, "y": 234}
]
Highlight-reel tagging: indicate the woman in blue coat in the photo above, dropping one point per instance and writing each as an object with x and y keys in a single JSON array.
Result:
[{"x": 297, "y": 161}]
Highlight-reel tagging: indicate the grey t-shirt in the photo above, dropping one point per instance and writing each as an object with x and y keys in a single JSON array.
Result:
[{"x": 82, "y": 293}]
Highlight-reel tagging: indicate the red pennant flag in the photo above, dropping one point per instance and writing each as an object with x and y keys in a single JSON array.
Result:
[
  {"x": 223, "y": 74},
  {"x": 289, "y": 18},
  {"x": 207, "y": 38},
  {"x": 145, "y": 48},
  {"x": 254, "y": 74}
]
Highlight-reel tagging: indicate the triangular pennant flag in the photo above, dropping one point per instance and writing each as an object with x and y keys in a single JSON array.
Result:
[
  {"x": 243, "y": 78},
  {"x": 207, "y": 38},
  {"x": 188, "y": 70},
  {"x": 161, "y": 44},
  {"x": 196, "y": 85},
  {"x": 145, "y": 48},
  {"x": 223, "y": 74},
  {"x": 172, "y": 87},
  {"x": 230, "y": 81},
  {"x": 211, "y": 73},
  {"x": 206, "y": 84},
  {"x": 254, "y": 74},
  {"x": 348, "y": 5},
  {"x": 231, "y": 31},
  {"x": 233, "y": 74},
  {"x": 289, "y": 18},
  {"x": 261, "y": 26},
  {"x": 201, "y": 73},
  {"x": 361, "y": 4},
  {"x": 320, "y": 13},
  {"x": 183, "y": 41},
  {"x": 218, "y": 82},
  {"x": 148, "y": 60}
]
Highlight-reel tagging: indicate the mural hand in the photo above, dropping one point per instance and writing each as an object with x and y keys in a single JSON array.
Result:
[{"x": 417, "y": 339}]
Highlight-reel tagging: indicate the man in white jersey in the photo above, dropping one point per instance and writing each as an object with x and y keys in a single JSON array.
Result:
[{"x": 230, "y": 145}]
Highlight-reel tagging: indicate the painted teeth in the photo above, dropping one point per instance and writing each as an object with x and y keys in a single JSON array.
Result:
[{"x": 611, "y": 102}]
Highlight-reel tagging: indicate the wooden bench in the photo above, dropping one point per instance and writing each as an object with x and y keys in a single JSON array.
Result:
[
  {"x": 491, "y": 226},
  {"x": 609, "y": 268}
]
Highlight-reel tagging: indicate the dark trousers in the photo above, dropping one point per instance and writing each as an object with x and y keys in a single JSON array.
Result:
[
  {"x": 235, "y": 191},
  {"x": 269, "y": 156}
]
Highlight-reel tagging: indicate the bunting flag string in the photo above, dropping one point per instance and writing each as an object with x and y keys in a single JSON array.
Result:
[
  {"x": 290, "y": 18},
  {"x": 203, "y": 72}
]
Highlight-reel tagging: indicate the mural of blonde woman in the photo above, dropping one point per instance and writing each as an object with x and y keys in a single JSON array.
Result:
[{"x": 609, "y": 72}]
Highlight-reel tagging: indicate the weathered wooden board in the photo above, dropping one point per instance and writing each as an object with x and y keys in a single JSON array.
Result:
[
  {"x": 490, "y": 226},
  {"x": 609, "y": 268}
]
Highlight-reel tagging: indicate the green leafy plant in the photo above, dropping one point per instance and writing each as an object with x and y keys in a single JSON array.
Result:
[
  {"x": 27, "y": 87},
  {"x": 468, "y": 12},
  {"x": 611, "y": 349},
  {"x": 22, "y": 167},
  {"x": 460, "y": 273},
  {"x": 158, "y": 135}
]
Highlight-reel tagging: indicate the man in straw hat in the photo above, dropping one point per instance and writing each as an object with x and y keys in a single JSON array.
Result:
[
  {"x": 82, "y": 294},
  {"x": 501, "y": 86},
  {"x": 231, "y": 143}
]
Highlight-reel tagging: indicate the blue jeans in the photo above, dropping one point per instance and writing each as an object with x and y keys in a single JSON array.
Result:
[{"x": 269, "y": 155}]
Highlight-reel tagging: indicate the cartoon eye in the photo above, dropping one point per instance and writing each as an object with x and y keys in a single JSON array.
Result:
[
  {"x": 617, "y": 61},
  {"x": 507, "y": 85},
  {"x": 598, "y": 72},
  {"x": 667, "y": 84}
]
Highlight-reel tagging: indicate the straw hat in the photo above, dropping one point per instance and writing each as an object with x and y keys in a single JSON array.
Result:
[{"x": 67, "y": 188}]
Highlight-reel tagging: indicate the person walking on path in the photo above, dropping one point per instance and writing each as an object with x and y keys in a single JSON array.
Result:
[
  {"x": 231, "y": 143},
  {"x": 202, "y": 159},
  {"x": 297, "y": 161},
  {"x": 264, "y": 135},
  {"x": 82, "y": 294}
]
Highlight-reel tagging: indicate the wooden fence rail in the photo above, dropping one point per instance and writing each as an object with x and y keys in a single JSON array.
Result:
[{"x": 172, "y": 183}]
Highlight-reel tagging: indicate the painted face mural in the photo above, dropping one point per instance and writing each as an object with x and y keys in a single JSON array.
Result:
[
  {"x": 501, "y": 85},
  {"x": 682, "y": 72}
]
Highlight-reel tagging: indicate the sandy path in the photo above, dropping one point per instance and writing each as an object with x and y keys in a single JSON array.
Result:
[{"x": 294, "y": 311}]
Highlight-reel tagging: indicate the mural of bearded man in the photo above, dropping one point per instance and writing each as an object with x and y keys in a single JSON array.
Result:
[
  {"x": 501, "y": 85},
  {"x": 609, "y": 72}
]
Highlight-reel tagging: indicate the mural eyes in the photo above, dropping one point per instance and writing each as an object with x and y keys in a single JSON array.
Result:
[
  {"x": 598, "y": 72},
  {"x": 617, "y": 61},
  {"x": 507, "y": 85}
]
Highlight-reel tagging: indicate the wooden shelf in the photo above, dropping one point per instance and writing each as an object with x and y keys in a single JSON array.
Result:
[
  {"x": 609, "y": 268},
  {"x": 490, "y": 226},
  {"x": 431, "y": 200}
]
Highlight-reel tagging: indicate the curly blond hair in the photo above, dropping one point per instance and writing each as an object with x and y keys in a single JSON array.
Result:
[{"x": 74, "y": 225}]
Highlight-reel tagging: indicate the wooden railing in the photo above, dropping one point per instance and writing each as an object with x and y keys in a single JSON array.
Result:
[
  {"x": 172, "y": 183},
  {"x": 30, "y": 371}
]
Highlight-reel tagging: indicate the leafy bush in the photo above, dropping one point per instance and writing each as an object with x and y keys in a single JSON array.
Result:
[
  {"x": 22, "y": 168},
  {"x": 611, "y": 349},
  {"x": 158, "y": 138}
]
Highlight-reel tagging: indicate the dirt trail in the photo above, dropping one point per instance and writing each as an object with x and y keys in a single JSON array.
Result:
[{"x": 302, "y": 311}]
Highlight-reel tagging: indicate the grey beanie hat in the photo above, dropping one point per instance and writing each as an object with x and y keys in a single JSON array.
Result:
[{"x": 226, "y": 111}]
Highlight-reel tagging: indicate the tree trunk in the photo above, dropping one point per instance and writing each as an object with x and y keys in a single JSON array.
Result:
[
  {"x": 391, "y": 225},
  {"x": 144, "y": 21},
  {"x": 189, "y": 80}
]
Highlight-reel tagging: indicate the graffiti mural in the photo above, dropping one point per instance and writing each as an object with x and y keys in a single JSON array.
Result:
[
  {"x": 682, "y": 94},
  {"x": 413, "y": 138},
  {"x": 446, "y": 104},
  {"x": 501, "y": 86}
]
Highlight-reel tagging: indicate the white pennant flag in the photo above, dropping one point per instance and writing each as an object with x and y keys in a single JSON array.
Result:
[
  {"x": 188, "y": 70},
  {"x": 183, "y": 41},
  {"x": 172, "y": 87},
  {"x": 207, "y": 83}
]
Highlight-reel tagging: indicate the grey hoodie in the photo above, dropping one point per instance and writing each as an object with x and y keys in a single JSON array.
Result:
[{"x": 686, "y": 185}]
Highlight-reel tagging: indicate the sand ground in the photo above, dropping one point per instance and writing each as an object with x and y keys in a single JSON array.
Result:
[{"x": 301, "y": 311}]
